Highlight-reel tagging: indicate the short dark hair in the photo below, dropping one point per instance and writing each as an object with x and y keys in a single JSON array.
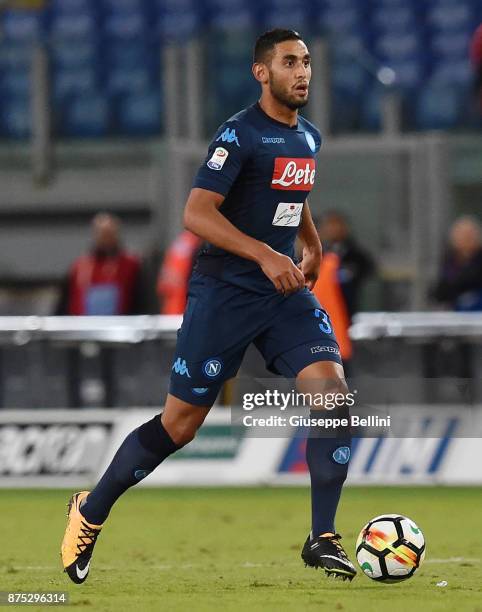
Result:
[{"x": 267, "y": 41}]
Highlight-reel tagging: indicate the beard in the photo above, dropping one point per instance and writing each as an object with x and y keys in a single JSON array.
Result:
[{"x": 283, "y": 97}]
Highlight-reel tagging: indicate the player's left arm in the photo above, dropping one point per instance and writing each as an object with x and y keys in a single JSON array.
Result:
[{"x": 312, "y": 251}]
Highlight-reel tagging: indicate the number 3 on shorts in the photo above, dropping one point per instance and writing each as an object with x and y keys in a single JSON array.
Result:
[{"x": 325, "y": 324}]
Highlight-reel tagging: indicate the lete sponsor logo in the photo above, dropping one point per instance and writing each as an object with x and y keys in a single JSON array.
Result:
[{"x": 294, "y": 174}]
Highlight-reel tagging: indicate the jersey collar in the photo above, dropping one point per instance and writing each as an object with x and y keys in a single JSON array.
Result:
[{"x": 280, "y": 124}]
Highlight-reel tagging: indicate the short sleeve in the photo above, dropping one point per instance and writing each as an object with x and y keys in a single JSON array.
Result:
[{"x": 227, "y": 153}]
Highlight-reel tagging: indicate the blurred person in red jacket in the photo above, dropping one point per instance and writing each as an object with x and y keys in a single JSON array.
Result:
[
  {"x": 106, "y": 280},
  {"x": 344, "y": 267},
  {"x": 175, "y": 272},
  {"x": 355, "y": 264},
  {"x": 476, "y": 57}
]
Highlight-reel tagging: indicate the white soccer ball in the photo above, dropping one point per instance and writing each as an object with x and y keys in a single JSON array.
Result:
[{"x": 390, "y": 548}]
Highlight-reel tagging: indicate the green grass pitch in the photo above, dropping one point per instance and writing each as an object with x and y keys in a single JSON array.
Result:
[{"x": 239, "y": 549}]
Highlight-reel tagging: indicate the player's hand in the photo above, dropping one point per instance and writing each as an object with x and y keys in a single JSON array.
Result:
[
  {"x": 282, "y": 272},
  {"x": 310, "y": 266}
]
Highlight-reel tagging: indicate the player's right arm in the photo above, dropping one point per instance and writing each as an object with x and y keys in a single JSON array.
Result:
[
  {"x": 227, "y": 153},
  {"x": 202, "y": 217}
]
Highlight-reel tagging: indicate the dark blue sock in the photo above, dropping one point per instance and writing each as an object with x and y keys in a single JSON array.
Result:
[
  {"x": 140, "y": 453},
  {"x": 327, "y": 460}
]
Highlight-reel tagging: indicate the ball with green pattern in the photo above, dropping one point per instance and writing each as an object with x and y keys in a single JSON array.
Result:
[{"x": 390, "y": 548}]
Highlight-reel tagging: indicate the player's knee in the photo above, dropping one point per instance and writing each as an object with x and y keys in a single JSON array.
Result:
[
  {"x": 335, "y": 394},
  {"x": 183, "y": 431}
]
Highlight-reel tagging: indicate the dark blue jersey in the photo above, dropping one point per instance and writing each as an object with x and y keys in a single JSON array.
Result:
[{"x": 265, "y": 169}]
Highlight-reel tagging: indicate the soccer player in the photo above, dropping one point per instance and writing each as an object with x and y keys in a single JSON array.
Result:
[{"x": 249, "y": 203}]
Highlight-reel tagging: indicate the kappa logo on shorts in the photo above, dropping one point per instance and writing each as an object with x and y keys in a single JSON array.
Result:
[
  {"x": 324, "y": 349},
  {"x": 212, "y": 368},
  {"x": 342, "y": 454},
  {"x": 180, "y": 367}
]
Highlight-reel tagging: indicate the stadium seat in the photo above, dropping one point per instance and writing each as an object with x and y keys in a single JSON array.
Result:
[
  {"x": 293, "y": 18},
  {"x": 345, "y": 112},
  {"x": 124, "y": 6},
  {"x": 87, "y": 115},
  {"x": 71, "y": 6},
  {"x": 68, "y": 82},
  {"x": 401, "y": 18},
  {"x": 408, "y": 73},
  {"x": 336, "y": 20},
  {"x": 392, "y": 47},
  {"x": 15, "y": 116},
  {"x": 15, "y": 56},
  {"x": 450, "y": 16},
  {"x": 127, "y": 80},
  {"x": 15, "y": 83},
  {"x": 140, "y": 114},
  {"x": 126, "y": 26},
  {"x": 283, "y": 13},
  {"x": 346, "y": 48},
  {"x": 456, "y": 72},
  {"x": 66, "y": 56},
  {"x": 233, "y": 21},
  {"x": 349, "y": 77},
  {"x": 372, "y": 103},
  {"x": 21, "y": 26},
  {"x": 450, "y": 45},
  {"x": 178, "y": 25},
  {"x": 129, "y": 55},
  {"x": 73, "y": 26},
  {"x": 438, "y": 107},
  {"x": 371, "y": 108}
]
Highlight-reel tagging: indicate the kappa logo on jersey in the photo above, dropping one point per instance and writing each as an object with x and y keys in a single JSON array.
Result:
[
  {"x": 228, "y": 136},
  {"x": 180, "y": 367},
  {"x": 218, "y": 158},
  {"x": 294, "y": 174}
]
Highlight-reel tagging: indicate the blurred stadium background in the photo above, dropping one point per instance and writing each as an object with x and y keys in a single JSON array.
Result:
[{"x": 107, "y": 105}]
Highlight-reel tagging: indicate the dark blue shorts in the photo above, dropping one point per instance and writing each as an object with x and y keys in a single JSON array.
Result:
[{"x": 221, "y": 320}]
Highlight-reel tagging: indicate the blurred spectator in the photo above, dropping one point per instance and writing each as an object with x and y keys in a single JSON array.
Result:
[
  {"x": 105, "y": 281},
  {"x": 460, "y": 280},
  {"x": 476, "y": 56},
  {"x": 176, "y": 271},
  {"x": 355, "y": 265},
  {"x": 330, "y": 295}
]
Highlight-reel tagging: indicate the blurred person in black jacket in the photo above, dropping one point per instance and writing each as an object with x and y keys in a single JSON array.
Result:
[
  {"x": 460, "y": 281},
  {"x": 356, "y": 264}
]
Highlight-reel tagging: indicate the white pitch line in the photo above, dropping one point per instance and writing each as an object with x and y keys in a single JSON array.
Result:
[
  {"x": 245, "y": 565},
  {"x": 452, "y": 560}
]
